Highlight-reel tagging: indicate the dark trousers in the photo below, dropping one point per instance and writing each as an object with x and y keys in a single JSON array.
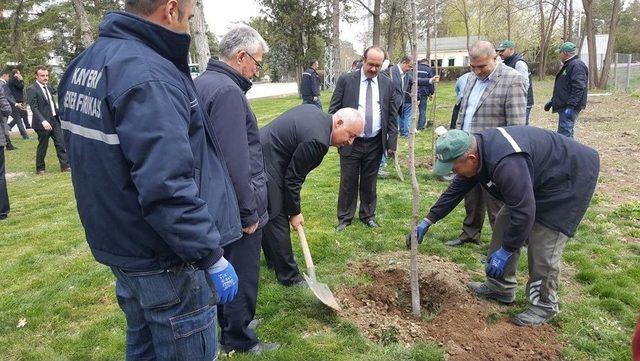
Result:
[
  {"x": 422, "y": 111},
  {"x": 58, "y": 142},
  {"x": 4, "y": 196},
  {"x": 234, "y": 317},
  {"x": 454, "y": 116},
  {"x": 358, "y": 174},
  {"x": 310, "y": 101},
  {"x": 20, "y": 119},
  {"x": 475, "y": 204},
  {"x": 276, "y": 244}
]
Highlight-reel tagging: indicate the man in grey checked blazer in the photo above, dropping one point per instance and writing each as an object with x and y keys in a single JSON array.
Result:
[{"x": 494, "y": 96}]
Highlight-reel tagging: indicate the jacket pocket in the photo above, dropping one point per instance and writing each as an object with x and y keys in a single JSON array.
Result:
[{"x": 155, "y": 289}]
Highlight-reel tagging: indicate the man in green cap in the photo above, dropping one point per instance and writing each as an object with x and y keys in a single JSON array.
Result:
[
  {"x": 507, "y": 52},
  {"x": 569, "y": 90},
  {"x": 546, "y": 182}
]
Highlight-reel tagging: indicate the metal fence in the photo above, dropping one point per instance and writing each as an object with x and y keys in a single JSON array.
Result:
[{"x": 625, "y": 73}]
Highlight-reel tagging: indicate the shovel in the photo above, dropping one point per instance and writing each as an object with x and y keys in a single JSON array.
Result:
[{"x": 321, "y": 290}]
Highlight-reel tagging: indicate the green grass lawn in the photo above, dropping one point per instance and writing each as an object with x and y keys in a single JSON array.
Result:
[{"x": 51, "y": 280}]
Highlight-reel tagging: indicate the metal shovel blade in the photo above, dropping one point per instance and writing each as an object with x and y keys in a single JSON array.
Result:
[{"x": 322, "y": 292}]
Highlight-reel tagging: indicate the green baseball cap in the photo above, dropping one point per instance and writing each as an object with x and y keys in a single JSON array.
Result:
[
  {"x": 449, "y": 147},
  {"x": 567, "y": 47},
  {"x": 506, "y": 44}
]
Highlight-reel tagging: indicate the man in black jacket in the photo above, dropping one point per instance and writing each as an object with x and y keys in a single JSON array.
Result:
[
  {"x": 310, "y": 85},
  {"x": 221, "y": 89},
  {"x": 293, "y": 145},
  {"x": 375, "y": 98},
  {"x": 20, "y": 115},
  {"x": 546, "y": 182},
  {"x": 45, "y": 121},
  {"x": 508, "y": 54},
  {"x": 569, "y": 90},
  {"x": 6, "y": 130}
]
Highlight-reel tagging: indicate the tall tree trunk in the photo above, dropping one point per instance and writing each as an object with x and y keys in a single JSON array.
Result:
[
  {"x": 570, "y": 21},
  {"x": 587, "y": 5},
  {"x": 508, "y": 19},
  {"x": 335, "y": 39},
  {"x": 86, "y": 36},
  {"x": 199, "y": 33},
  {"x": 15, "y": 21},
  {"x": 390, "y": 33},
  {"x": 546, "y": 33},
  {"x": 608, "y": 57},
  {"x": 376, "y": 22},
  {"x": 415, "y": 200}
]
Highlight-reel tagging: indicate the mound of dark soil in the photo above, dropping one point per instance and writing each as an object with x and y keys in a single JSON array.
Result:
[{"x": 468, "y": 328}]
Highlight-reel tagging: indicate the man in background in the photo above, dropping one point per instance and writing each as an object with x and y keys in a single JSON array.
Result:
[
  {"x": 310, "y": 85},
  {"x": 509, "y": 57}
]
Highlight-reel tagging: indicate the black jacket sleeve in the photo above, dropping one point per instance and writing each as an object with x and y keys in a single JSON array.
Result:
[
  {"x": 458, "y": 188},
  {"x": 392, "y": 120},
  {"x": 579, "y": 84},
  {"x": 5, "y": 106},
  {"x": 307, "y": 156},
  {"x": 336, "y": 98},
  {"x": 227, "y": 111},
  {"x": 513, "y": 177}
]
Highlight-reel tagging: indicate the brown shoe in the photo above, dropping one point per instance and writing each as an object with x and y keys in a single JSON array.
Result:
[{"x": 67, "y": 169}]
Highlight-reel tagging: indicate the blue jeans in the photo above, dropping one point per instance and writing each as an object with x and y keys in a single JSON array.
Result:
[
  {"x": 566, "y": 123},
  {"x": 422, "y": 109},
  {"x": 169, "y": 315},
  {"x": 310, "y": 101},
  {"x": 404, "y": 120}
]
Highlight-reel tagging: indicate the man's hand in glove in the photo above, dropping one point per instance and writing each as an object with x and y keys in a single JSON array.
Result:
[
  {"x": 421, "y": 229},
  {"x": 225, "y": 279},
  {"x": 496, "y": 262}
]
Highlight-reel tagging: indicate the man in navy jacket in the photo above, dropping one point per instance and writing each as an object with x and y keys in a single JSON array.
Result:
[
  {"x": 569, "y": 90},
  {"x": 222, "y": 89},
  {"x": 546, "y": 182},
  {"x": 310, "y": 85},
  {"x": 152, "y": 190}
]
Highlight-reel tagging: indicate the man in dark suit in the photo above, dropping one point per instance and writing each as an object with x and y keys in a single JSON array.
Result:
[
  {"x": 374, "y": 97},
  {"x": 5, "y": 110},
  {"x": 293, "y": 145},
  {"x": 4, "y": 76},
  {"x": 20, "y": 115},
  {"x": 45, "y": 121}
]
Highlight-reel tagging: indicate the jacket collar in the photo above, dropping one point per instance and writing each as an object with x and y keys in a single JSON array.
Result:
[
  {"x": 168, "y": 44},
  {"x": 223, "y": 68}
]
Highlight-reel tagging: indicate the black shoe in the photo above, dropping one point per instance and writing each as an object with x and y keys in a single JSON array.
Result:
[
  {"x": 459, "y": 242},
  {"x": 261, "y": 347},
  {"x": 65, "y": 169},
  {"x": 372, "y": 223},
  {"x": 342, "y": 226},
  {"x": 11, "y": 147},
  {"x": 3, "y": 216}
]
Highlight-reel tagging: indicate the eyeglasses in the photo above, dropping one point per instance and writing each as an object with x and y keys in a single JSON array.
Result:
[{"x": 258, "y": 64}]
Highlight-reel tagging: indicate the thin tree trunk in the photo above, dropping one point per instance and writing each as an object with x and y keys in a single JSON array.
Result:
[
  {"x": 335, "y": 40},
  {"x": 15, "y": 21},
  {"x": 570, "y": 21},
  {"x": 199, "y": 32},
  {"x": 508, "y": 19},
  {"x": 591, "y": 42},
  {"x": 86, "y": 36},
  {"x": 613, "y": 29},
  {"x": 376, "y": 22},
  {"x": 391, "y": 21},
  {"x": 415, "y": 286}
]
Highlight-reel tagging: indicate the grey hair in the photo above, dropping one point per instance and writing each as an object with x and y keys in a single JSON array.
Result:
[
  {"x": 350, "y": 117},
  {"x": 481, "y": 49},
  {"x": 241, "y": 37}
]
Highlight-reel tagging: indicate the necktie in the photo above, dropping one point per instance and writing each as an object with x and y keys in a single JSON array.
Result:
[
  {"x": 368, "y": 112},
  {"x": 46, "y": 93}
]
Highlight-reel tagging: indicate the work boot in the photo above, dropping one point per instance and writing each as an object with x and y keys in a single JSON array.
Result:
[
  {"x": 459, "y": 242},
  {"x": 480, "y": 289},
  {"x": 533, "y": 316}
]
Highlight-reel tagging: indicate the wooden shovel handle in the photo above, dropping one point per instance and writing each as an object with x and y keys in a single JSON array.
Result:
[{"x": 311, "y": 270}]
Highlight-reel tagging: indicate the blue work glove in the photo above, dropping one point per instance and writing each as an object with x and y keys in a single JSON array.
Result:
[
  {"x": 569, "y": 112},
  {"x": 225, "y": 280},
  {"x": 421, "y": 229},
  {"x": 547, "y": 106},
  {"x": 496, "y": 262}
]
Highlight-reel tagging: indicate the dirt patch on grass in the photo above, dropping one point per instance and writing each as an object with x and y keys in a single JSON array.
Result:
[
  {"x": 15, "y": 175},
  {"x": 468, "y": 328}
]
